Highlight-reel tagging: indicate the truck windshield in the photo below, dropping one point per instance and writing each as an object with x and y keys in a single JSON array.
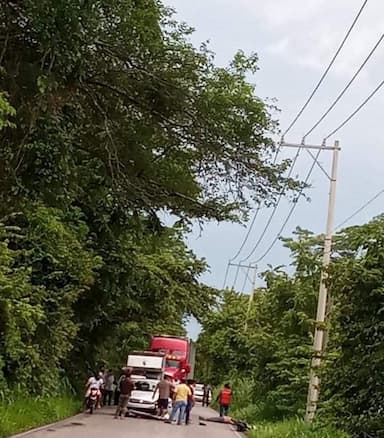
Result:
[
  {"x": 172, "y": 363},
  {"x": 178, "y": 353}
]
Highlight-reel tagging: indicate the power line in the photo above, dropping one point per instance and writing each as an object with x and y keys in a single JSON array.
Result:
[
  {"x": 334, "y": 103},
  {"x": 255, "y": 215},
  {"x": 245, "y": 240},
  {"x": 273, "y": 211},
  {"x": 359, "y": 210},
  {"x": 291, "y": 210},
  {"x": 248, "y": 233},
  {"x": 326, "y": 70},
  {"x": 356, "y": 110}
]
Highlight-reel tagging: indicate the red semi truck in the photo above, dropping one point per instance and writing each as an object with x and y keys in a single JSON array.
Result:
[{"x": 180, "y": 355}]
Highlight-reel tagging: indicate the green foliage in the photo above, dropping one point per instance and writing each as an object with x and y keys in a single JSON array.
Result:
[
  {"x": 354, "y": 391},
  {"x": 45, "y": 269},
  {"x": 26, "y": 413},
  {"x": 98, "y": 107},
  {"x": 293, "y": 429},
  {"x": 109, "y": 119},
  {"x": 270, "y": 343},
  {"x": 6, "y": 110},
  {"x": 118, "y": 120},
  {"x": 269, "y": 347}
]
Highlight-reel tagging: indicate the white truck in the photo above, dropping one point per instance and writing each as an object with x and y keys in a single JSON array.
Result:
[{"x": 147, "y": 370}]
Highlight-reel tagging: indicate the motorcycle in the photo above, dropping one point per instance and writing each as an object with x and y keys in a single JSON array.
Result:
[{"x": 92, "y": 400}]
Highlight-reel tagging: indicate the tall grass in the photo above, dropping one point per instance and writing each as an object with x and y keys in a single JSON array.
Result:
[
  {"x": 293, "y": 429},
  {"x": 250, "y": 405},
  {"x": 24, "y": 413}
]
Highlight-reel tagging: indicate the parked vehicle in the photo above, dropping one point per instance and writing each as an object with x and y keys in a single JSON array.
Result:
[
  {"x": 148, "y": 369},
  {"x": 199, "y": 393},
  {"x": 180, "y": 355},
  {"x": 146, "y": 364},
  {"x": 141, "y": 398},
  {"x": 92, "y": 400}
]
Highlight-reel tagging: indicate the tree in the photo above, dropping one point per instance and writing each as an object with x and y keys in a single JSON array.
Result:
[
  {"x": 45, "y": 268},
  {"x": 354, "y": 394},
  {"x": 113, "y": 92},
  {"x": 117, "y": 119}
]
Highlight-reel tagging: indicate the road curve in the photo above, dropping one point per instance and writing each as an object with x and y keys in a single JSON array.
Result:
[{"x": 102, "y": 425}]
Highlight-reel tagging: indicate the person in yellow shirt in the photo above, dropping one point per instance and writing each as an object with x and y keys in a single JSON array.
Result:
[{"x": 181, "y": 394}]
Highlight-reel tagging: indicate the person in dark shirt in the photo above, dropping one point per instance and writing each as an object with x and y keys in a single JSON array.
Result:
[
  {"x": 126, "y": 386},
  {"x": 191, "y": 401},
  {"x": 207, "y": 394},
  {"x": 241, "y": 426}
]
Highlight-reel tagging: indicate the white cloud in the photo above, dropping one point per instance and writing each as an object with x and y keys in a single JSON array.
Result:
[{"x": 307, "y": 32}]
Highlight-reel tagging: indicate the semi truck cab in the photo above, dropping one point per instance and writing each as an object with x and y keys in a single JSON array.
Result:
[{"x": 179, "y": 355}]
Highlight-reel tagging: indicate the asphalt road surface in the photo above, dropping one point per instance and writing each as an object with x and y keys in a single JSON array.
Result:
[{"x": 102, "y": 425}]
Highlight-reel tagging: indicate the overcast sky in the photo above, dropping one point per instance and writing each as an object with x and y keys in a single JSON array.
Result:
[{"x": 295, "y": 40}]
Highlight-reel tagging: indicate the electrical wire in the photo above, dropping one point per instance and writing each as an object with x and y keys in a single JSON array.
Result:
[
  {"x": 245, "y": 240},
  {"x": 273, "y": 211},
  {"x": 359, "y": 210},
  {"x": 334, "y": 103},
  {"x": 291, "y": 210},
  {"x": 248, "y": 233},
  {"x": 360, "y": 107},
  {"x": 326, "y": 70}
]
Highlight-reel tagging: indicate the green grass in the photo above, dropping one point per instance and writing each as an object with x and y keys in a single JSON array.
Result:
[
  {"x": 25, "y": 413},
  {"x": 293, "y": 429}
]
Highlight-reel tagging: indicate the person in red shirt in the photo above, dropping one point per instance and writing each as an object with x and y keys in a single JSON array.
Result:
[{"x": 224, "y": 398}]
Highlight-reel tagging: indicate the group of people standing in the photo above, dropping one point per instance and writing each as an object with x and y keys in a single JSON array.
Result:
[
  {"x": 109, "y": 388},
  {"x": 183, "y": 399},
  {"x": 182, "y": 395}
]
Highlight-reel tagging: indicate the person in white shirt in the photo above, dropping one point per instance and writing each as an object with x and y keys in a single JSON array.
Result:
[{"x": 96, "y": 383}]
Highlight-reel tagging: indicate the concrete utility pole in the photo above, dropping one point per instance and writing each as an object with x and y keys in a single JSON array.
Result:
[
  {"x": 251, "y": 297},
  {"x": 320, "y": 329},
  {"x": 319, "y": 337}
]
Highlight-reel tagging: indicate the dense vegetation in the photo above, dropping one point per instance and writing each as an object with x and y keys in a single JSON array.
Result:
[
  {"x": 24, "y": 413},
  {"x": 267, "y": 358},
  {"x": 115, "y": 135}
]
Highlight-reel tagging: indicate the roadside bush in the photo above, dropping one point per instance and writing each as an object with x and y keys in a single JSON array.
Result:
[
  {"x": 293, "y": 429},
  {"x": 25, "y": 413}
]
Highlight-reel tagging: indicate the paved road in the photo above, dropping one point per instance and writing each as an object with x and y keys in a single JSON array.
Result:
[{"x": 103, "y": 425}]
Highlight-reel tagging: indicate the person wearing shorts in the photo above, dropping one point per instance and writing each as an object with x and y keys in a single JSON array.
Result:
[
  {"x": 164, "y": 388},
  {"x": 162, "y": 404}
]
